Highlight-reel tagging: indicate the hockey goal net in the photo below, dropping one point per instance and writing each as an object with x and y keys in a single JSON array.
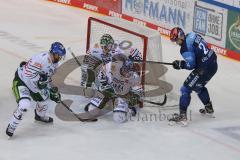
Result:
[{"x": 131, "y": 35}]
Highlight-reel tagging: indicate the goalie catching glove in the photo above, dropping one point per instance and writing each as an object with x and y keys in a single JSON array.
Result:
[{"x": 55, "y": 95}]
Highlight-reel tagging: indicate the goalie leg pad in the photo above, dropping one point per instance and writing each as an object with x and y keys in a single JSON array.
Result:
[
  {"x": 119, "y": 117},
  {"x": 120, "y": 112},
  {"x": 94, "y": 103},
  {"x": 97, "y": 102}
]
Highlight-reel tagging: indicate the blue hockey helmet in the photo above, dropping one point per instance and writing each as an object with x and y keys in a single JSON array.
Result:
[
  {"x": 58, "y": 52},
  {"x": 58, "y": 48}
]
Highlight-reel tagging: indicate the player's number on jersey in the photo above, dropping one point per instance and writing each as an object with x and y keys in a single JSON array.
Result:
[{"x": 203, "y": 47}]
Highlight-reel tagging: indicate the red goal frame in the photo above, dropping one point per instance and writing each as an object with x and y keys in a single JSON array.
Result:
[{"x": 145, "y": 39}]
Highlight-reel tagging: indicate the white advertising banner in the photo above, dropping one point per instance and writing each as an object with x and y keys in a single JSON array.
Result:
[
  {"x": 164, "y": 13},
  {"x": 210, "y": 21},
  {"x": 203, "y": 18},
  {"x": 236, "y": 3}
]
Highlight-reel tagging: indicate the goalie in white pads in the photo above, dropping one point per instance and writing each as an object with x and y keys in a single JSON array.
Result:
[
  {"x": 32, "y": 83},
  {"x": 96, "y": 57}
]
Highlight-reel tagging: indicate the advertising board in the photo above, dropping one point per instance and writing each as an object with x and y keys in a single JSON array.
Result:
[
  {"x": 210, "y": 21},
  {"x": 164, "y": 13},
  {"x": 233, "y": 31}
]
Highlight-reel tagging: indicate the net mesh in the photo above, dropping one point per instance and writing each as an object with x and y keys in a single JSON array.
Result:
[
  {"x": 122, "y": 30},
  {"x": 139, "y": 37}
]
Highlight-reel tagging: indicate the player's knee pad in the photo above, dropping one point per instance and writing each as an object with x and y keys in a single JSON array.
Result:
[
  {"x": 185, "y": 91},
  {"x": 24, "y": 104},
  {"x": 185, "y": 97},
  {"x": 42, "y": 107}
]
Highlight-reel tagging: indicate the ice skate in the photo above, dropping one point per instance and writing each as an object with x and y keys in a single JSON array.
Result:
[
  {"x": 133, "y": 111},
  {"x": 10, "y": 130},
  {"x": 44, "y": 119},
  {"x": 178, "y": 119},
  {"x": 207, "y": 111}
]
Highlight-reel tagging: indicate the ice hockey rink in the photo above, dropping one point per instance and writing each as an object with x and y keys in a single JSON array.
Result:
[{"x": 30, "y": 26}]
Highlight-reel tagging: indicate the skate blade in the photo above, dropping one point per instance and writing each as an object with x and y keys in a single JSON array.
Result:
[
  {"x": 182, "y": 123},
  {"x": 9, "y": 136},
  {"x": 172, "y": 123},
  {"x": 207, "y": 115}
]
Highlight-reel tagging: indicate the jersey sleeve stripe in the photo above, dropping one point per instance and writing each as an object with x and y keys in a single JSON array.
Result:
[
  {"x": 29, "y": 68},
  {"x": 32, "y": 76},
  {"x": 36, "y": 67}
]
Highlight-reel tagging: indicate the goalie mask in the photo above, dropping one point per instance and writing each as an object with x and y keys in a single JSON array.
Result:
[{"x": 106, "y": 43}]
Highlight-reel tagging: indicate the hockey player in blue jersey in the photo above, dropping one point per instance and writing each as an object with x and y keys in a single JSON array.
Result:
[{"x": 203, "y": 63}]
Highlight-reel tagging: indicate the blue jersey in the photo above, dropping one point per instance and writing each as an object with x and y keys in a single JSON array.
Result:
[{"x": 196, "y": 53}]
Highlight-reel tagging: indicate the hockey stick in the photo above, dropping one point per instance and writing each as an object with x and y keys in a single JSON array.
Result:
[
  {"x": 74, "y": 56},
  {"x": 157, "y": 103},
  {"x": 147, "y": 101},
  {"x": 80, "y": 119},
  {"x": 164, "y": 63}
]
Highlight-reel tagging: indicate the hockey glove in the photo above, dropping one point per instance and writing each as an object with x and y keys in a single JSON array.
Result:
[
  {"x": 43, "y": 81},
  {"x": 109, "y": 92},
  {"x": 134, "y": 99},
  {"x": 177, "y": 64},
  {"x": 55, "y": 95},
  {"x": 23, "y": 63}
]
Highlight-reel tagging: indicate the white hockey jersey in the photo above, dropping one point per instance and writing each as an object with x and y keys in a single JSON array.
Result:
[
  {"x": 122, "y": 85},
  {"x": 38, "y": 64},
  {"x": 105, "y": 58}
]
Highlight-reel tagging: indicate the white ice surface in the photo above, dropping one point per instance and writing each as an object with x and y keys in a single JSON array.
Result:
[{"x": 30, "y": 26}]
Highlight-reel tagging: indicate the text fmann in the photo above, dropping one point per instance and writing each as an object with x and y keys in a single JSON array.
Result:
[{"x": 160, "y": 12}]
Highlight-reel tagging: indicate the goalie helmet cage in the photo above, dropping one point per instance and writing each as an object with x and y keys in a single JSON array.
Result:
[{"x": 146, "y": 40}]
